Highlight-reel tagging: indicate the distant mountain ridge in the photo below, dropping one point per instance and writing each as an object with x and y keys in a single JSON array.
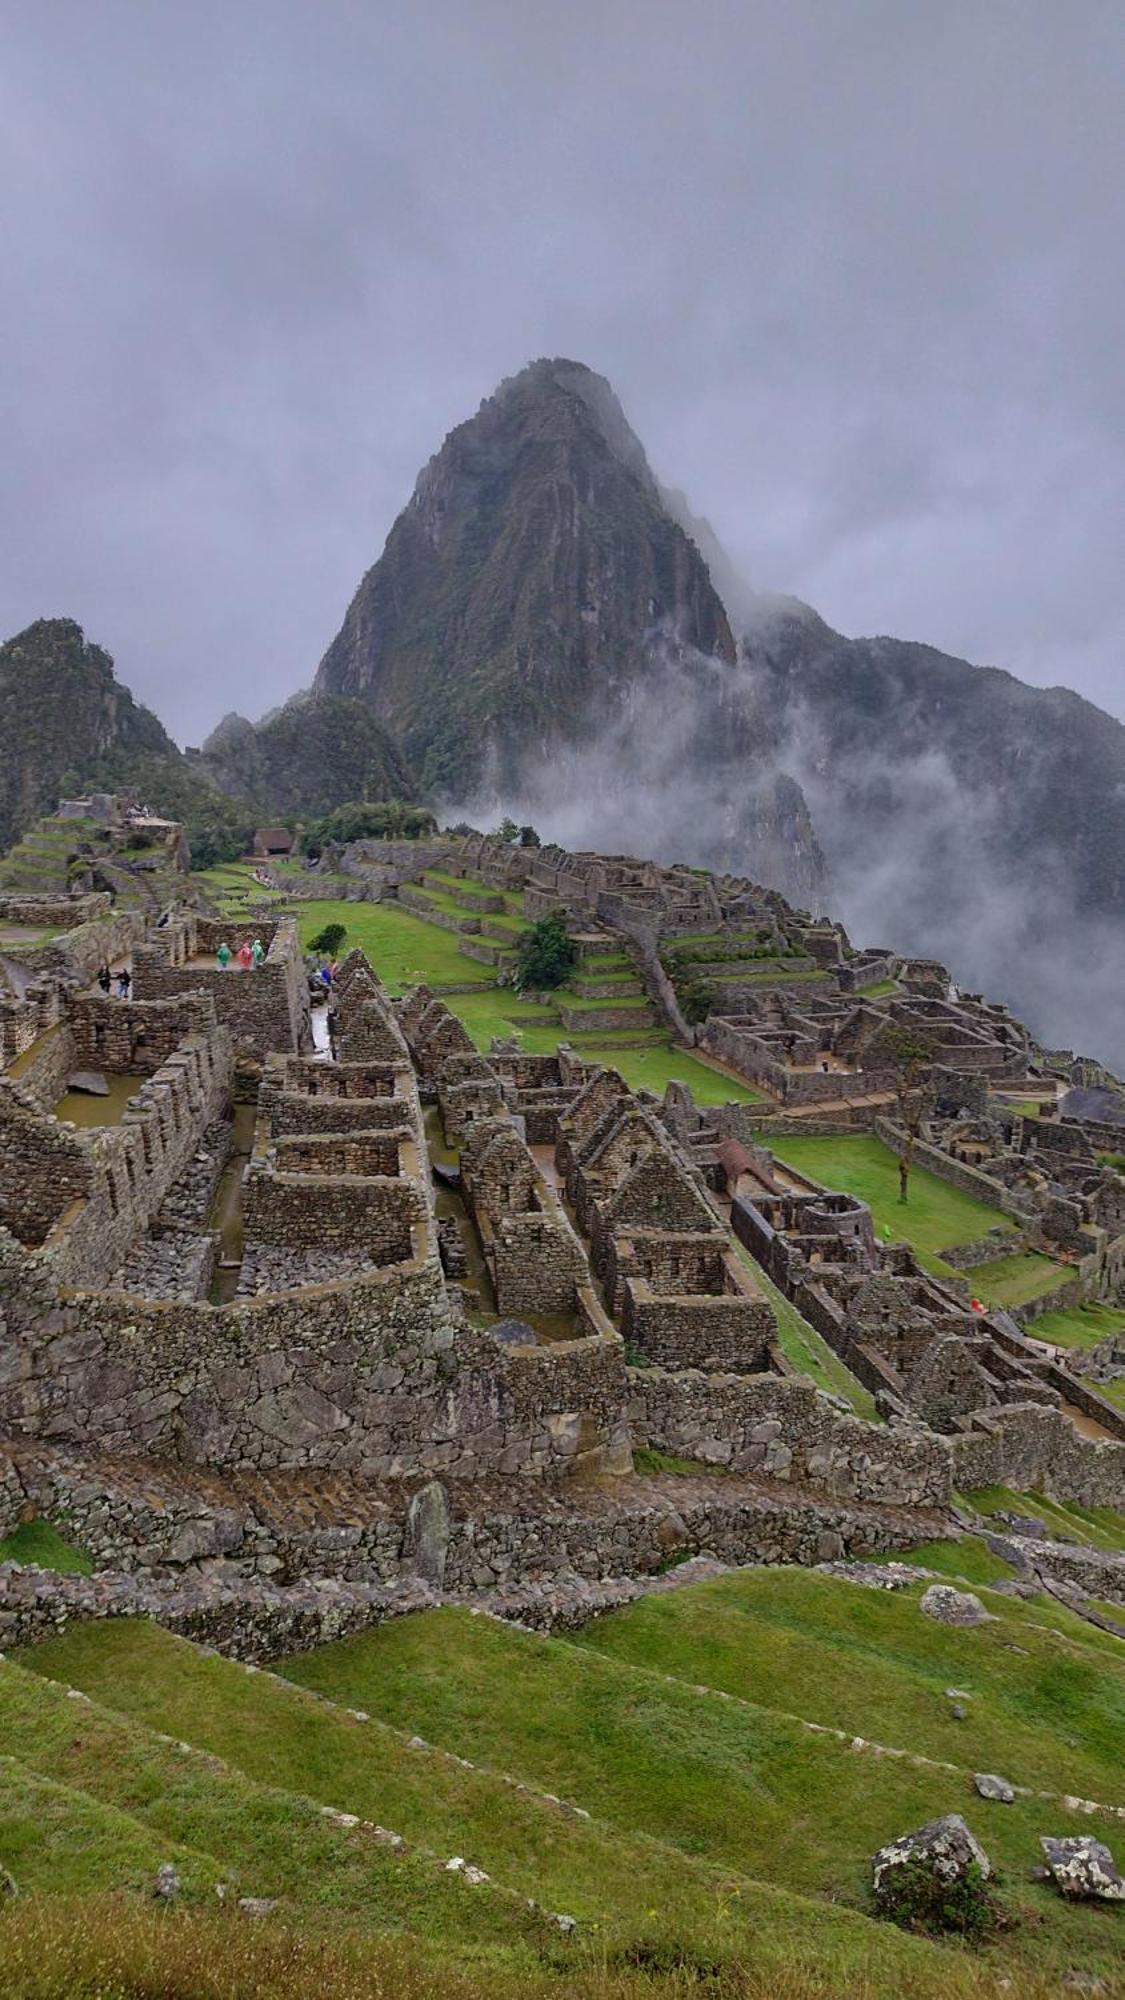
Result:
[
  {"x": 550, "y": 631},
  {"x": 305, "y": 758}
]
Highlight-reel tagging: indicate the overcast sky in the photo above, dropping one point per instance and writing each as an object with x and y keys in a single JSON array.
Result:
[{"x": 854, "y": 267}]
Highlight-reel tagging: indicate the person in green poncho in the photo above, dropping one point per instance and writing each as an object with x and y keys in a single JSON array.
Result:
[
  {"x": 223, "y": 956},
  {"x": 258, "y": 951}
]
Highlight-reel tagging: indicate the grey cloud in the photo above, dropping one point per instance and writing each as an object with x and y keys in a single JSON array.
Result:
[{"x": 852, "y": 269}]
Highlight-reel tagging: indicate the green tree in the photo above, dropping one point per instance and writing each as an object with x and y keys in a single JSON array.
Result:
[
  {"x": 529, "y": 837},
  {"x": 697, "y": 998},
  {"x": 545, "y": 954},
  {"x": 507, "y": 831},
  {"x": 328, "y": 941}
]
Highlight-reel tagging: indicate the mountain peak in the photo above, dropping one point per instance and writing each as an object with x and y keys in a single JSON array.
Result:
[{"x": 527, "y": 588}]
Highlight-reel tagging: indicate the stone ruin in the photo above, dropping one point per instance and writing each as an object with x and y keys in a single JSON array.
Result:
[{"x": 247, "y": 1324}]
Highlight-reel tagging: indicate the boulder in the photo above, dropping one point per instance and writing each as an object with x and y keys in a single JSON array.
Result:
[
  {"x": 90, "y": 1082},
  {"x": 167, "y": 1885},
  {"x": 944, "y": 1847},
  {"x": 8, "y": 1884},
  {"x": 953, "y": 1607},
  {"x": 514, "y": 1333},
  {"x": 991, "y": 1787},
  {"x": 426, "y": 1541},
  {"x": 257, "y": 1906},
  {"x": 1084, "y": 1869}
]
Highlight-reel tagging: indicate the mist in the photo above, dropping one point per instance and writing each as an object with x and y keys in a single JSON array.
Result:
[{"x": 687, "y": 769}]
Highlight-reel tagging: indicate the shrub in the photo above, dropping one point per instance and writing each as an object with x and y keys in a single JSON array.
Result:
[
  {"x": 545, "y": 955},
  {"x": 329, "y": 940},
  {"x": 697, "y": 999},
  {"x": 917, "y": 1899}
]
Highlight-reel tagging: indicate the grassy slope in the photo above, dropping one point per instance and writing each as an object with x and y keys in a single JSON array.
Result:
[
  {"x": 969, "y": 1559},
  {"x": 1098, "y": 1527},
  {"x": 160, "y": 1800},
  {"x": 1050, "y": 1714},
  {"x": 280, "y": 1737},
  {"x": 39, "y": 1546},
  {"x": 1015, "y": 1281},
  {"x": 743, "y": 1784},
  {"x": 1081, "y": 1326},
  {"x": 936, "y": 1217},
  {"x": 726, "y": 1784}
]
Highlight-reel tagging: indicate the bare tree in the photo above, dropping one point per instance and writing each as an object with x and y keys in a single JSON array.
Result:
[{"x": 909, "y": 1055}]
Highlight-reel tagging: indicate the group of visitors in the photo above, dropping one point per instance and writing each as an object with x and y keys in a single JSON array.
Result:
[
  {"x": 124, "y": 981},
  {"x": 247, "y": 955}
]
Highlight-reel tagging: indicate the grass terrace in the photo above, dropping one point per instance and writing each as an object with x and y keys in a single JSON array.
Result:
[
  {"x": 1096, "y": 1527},
  {"x": 1016, "y": 1281},
  {"x": 704, "y": 1845},
  {"x": 1080, "y": 1326},
  {"x": 936, "y": 1217}
]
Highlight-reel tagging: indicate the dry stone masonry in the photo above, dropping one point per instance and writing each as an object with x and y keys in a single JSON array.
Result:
[{"x": 288, "y": 1325}]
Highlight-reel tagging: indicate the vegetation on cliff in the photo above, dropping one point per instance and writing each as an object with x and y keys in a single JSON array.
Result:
[{"x": 520, "y": 589}]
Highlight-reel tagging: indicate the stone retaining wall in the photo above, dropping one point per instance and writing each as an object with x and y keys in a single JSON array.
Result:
[
  {"x": 787, "y": 1430},
  {"x": 957, "y": 1173},
  {"x": 1028, "y": 1447}
]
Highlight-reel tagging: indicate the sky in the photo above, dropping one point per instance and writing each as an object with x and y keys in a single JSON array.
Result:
[{"x": 854, "y": 268}]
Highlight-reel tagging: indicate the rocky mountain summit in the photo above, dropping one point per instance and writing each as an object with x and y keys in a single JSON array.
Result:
[
  {"x": 61, "y": 708},
  {"x": 526, "y": 585},
  {"x": 550, "y": 628}
]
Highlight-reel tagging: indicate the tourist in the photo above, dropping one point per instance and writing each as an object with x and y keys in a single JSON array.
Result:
[
  {"x": 104, "y": 978},
  {"x": 245, "y": 955},
  {"x": 326, "y": 977},
  {"x": 124, "y": 981},
  {"x": 223, "y": 956},
  {"x": 258, "y": 951}
]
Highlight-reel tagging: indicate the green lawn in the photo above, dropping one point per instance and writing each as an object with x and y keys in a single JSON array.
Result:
[
  {"x": 653, "y": 1069},
  {"x": 38, "y": 1546},
  {"x": 404, "y": 949},
  {"x": 1081, "y": 1326},
  {"x": 1015, "y": 1281},
  {"x": 969, "y": 1559},
  {"x": 1097, "y": 1527},
  {"x": 937, "y": 1216}
]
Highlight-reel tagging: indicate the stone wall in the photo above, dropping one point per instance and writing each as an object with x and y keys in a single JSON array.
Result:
[
  {"x": 1027, "y": 1447},
  {"x": 56, "y": 913},
  {"x": 266, "y": 1009},
  {"x": 79, "y": 956},
  {"x": 380, "y": 1218},
  {"x": 786, "y": 1429},
  {"x": 86, "y": 1197}
]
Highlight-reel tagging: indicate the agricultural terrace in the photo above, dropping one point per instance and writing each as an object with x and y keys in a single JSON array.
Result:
[{"x": 407, "y": 951}]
